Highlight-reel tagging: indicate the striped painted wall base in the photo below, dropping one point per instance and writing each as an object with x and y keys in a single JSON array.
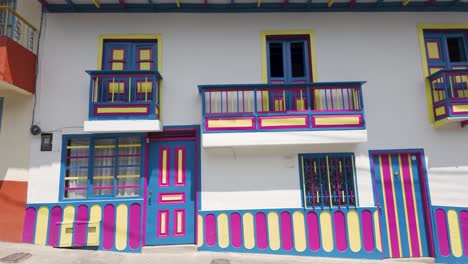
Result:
[
  {"x": 115, "y": 226},
  {"x": 450, "y": 233},
  {"x": 349, "y": 233}
]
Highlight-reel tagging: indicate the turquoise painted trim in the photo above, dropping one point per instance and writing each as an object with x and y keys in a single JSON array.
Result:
[
  {"x": 377, "y": 6},
  {"x": 375, "y": 254},
  {"x": 450, "y": 258},
  {"x": 91, "y": 137},
  {"x": 102, "y": 204}
]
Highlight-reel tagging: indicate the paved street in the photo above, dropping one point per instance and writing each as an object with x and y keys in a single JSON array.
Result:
[{"x": 43, "y": 255}]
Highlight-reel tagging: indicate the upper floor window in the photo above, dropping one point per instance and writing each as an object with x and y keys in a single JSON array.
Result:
[
  {"x": 97, "y": 167},
  {"x": 288, "y": 59},
  {"x": 328, "y": 180},
  {"x": 446, "y": 50},
  {"x": 135, "y": 55}
]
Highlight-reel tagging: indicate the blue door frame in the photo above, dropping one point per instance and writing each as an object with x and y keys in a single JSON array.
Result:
[{"x": 171, "y": 191}]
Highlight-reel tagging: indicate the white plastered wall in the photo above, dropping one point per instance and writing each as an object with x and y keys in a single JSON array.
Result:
[
  {"x": 381, "y": 48},
  {"x": 15, "y": 139}
]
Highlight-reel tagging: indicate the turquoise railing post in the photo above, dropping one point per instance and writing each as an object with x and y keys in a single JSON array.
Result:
[{"x": 255, "y": 90}]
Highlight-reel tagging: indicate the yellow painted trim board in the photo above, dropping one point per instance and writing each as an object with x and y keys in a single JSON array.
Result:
[
  {"x": 336, "y": 121},
  {"x": 120, "y": 110},
  {"x": 440, "y": 110},
  {"x": 422, "y": 50},
  {"x": 312, "y": 51},
  {"x": 230, "y": 123},
  {"x": 296, "y": 121},
  {"x": 460, "y": 108}
]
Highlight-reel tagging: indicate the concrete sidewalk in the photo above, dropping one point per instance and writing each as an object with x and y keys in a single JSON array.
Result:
[{"x": 48, "y": 255}]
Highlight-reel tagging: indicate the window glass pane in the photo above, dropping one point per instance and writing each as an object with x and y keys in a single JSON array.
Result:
[
  {"x": 329, "y": 180},
  {"x": 456, "y": 49},
  {"x": 103, "y": 173},
  {"x": 297, "y": 59},
  {"x": 276, "y": 60},
  {"x": 128, "y": 178},
  {"x": 76, "y": 172}
]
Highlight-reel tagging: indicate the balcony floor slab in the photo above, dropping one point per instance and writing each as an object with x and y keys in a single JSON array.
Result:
[
  {"x": 219, "y": 140},
  {"x": 120, "y": 126}
]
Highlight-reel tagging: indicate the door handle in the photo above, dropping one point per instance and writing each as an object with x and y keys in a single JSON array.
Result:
[{"x": 150, "y": 196}]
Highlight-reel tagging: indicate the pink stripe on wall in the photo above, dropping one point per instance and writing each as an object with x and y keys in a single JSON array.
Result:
[
  {"x": 313, "y": 232},
  {"x": 29, "y": 224},
  {"x": 134, "y": 226},
  {"x": 108, "y": 226},
  {"x": 210, "y": 227},
  {"x": 464, "y": 230},
  {"x": 367, "y": 231},
  {"x": 411, "y": 211},
  {"x": 442, "y": 234},
  {"x": 340, "y": 231},
  {"x": 261, "y": 230},
  {"x": 389, "y": 199},
  {"x": 286, "y": 231},
  {"x": 55, "y": 217},
  {"x": 81, "y": 226},
  {"x": 235, "y": 230}
]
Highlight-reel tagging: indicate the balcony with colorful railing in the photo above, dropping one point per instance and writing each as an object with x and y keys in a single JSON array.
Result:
[
  {"x": 124, "y": 101},
  {"x": 282, "y": 114},
  {"x": 449, "y": 92},
  {"x": 17, "y": 52}
]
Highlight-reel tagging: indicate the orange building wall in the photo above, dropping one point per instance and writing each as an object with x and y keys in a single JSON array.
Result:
[
  {"x": 17, "y": 64},
  {"x": 13, "y": 196}
]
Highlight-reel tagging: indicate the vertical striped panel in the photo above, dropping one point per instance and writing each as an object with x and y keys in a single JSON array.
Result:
[
  {"x": 42, "y": 221},
  {"x": 55, "y": 218},
  {"x": 286, "y": 231},
  {"x": 95, "y": 217},
  {"x": 80, "y": 229},
  {"x": 273, "y": 231},
  {"x": 339, "y": 225},
  {"x": 464, "y": 230},
  {"x": 326, "y": 230},
  {"x": 454, "y": 231},
  {"x": 378, "y": 237},
  {"x": 236, "y": 230},
  {"x": 66, "y": 232},
  {"x": 442, "y": 232},
  {"x": 261, "y": 231},
  {"x": 248, "y": 232},
  {"x": 108, "y": 225},
  {"x": 354, "y": 231},
  {"x": 223, "y": 231},
  {"x": 121, "y": 227},
  {"x": 200, "y": 231},
  {"x": 412, "y": 224},
  {"x": 367, "y": 232},
  {"x": 29, "y": 224},
  {"x": 391, "y": 213},
  {"x": 313, "y": 232},
  {"x": 134, "y": 226},
  {"x": 299, "y": 231},
  {"x": 210, "y": 227}
]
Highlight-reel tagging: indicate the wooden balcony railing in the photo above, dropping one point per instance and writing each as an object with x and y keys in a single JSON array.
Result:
[
  {"x": 16, "y": 27},
  {"x": 272, "y": 107},
  {"x": 124, "y": 95}
]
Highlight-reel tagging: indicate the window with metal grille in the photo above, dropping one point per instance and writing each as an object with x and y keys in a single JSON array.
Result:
[
  {"x": 98, "y": 167},
  {"x": 328, "y": 180}
]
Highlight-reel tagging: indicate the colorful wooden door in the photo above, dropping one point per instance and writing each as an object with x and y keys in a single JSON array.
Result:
[
  {"x": 171, "y": 193},
  {"x": 401, "y": 198}
]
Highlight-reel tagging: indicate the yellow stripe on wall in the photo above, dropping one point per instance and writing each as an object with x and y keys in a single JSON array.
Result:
[
  {"x": 299, "y": 231},
  {"x": 223, "y": 230},
  {"x": 354, "y": 231},
  {"x": 67, "y": 225},
  {"x": 42, "y": 224},
  {"x": 121, "y": 226},
  {"x": 249, "y": 236},
  {"x": 454, "y": 230},
  {"x": 378, "y": 239},
  {"x": 95, "y": 217},
  {"x": 273, "y": 231},
  {"x": 326, "y": 230},
  {"x": 200, "y": 231}
]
